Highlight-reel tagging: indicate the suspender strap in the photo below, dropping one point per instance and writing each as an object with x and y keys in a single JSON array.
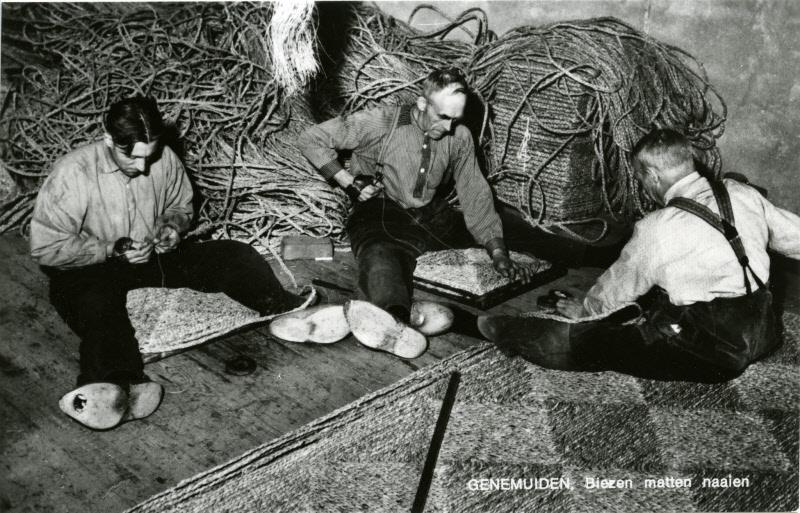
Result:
[{"x": 724, "y": 224}]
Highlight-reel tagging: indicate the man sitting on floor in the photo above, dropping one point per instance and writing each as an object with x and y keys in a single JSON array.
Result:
[
  {"x": 416, "y": 148},
  {"x": 108, "y": 219},
  {"x": 698, "y": 268}
]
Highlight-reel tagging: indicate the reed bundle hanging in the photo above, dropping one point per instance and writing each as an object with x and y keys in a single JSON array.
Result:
[{"x": 384, "y": 61}]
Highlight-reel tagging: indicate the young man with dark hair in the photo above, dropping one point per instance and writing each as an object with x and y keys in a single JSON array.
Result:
[
  {"x": 697, "y": 268},
  {"x": 416, "y": 148},
  {"x": 110, "y": 218}
]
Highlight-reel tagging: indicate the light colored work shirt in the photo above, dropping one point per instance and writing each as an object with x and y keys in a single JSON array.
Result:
[
  {"x": 410, "y": 159},
  {"x": 689, "y": 259},
  {"x": 87, "y": 202}
]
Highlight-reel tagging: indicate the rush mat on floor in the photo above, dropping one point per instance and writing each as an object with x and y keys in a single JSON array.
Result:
[
  {"x": 522, "y": 438},
  {"x": 169, "y": 321}
]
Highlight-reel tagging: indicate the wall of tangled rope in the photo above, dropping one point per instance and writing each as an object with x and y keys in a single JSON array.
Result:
[{"x": 557, "y": 108}]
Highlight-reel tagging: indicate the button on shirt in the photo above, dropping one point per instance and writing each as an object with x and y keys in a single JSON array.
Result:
[
  {"x": 412, "y": 172},
  {"x": 87, "y": 202},
  {"x": 689, "y": 259}
]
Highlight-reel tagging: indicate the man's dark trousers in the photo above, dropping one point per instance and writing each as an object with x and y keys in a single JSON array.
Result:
[
  {"x": 707, "y": 341},
  {"x": 92, "y": 299},
  {"x": 387, "y": 239}
]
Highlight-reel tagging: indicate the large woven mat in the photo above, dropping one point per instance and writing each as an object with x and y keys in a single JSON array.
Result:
[
  {"x": 517, "y": 421},
  {"x": 167, "y": 321}
]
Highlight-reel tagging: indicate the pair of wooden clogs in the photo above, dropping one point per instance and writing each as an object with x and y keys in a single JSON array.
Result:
[
  {"x": 106, "y": 405},
  {"x": 372, "y": 326}
]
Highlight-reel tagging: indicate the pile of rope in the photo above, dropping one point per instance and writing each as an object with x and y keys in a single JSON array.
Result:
[
  {"x": 210, "y": 67},
  {"x": 559, "y": 106}
]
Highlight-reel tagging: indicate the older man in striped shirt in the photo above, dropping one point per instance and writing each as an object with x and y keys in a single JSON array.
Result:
[{"x": 415, "y": 149}]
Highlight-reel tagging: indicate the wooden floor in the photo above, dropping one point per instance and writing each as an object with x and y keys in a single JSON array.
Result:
[{"x": 50, "y": 463}]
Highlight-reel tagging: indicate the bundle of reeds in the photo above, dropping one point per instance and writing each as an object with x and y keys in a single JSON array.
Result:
[
  {"x": 561, "y": 105},
  {"x": 210, "y": 67},
  {"x": 571, "y": 100}
]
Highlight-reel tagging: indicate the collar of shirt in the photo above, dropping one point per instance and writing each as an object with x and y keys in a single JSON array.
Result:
[
  {"x": 686, "y": 187},
  {"x": 106, "y": 162},
  {"x": 414, "y": 116}
]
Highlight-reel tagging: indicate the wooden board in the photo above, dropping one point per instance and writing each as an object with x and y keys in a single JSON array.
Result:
[{"x": 496, "y": 296}]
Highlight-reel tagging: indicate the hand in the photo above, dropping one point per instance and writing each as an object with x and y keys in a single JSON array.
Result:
[
  {"x": 139, "y": 252},
  {"x": 370, "y": 191},
  {"x": 570, "y": 307},
  {"x": 508, "y": 268},
  {"x": 167, "y": 239}
]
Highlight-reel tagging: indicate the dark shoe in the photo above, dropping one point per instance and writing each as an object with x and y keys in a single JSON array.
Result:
[
  {"x": 430, "y": 318},
  {"x": 96, "y": 405},
  {"x": 544, "y": 342},
  {"x": 378, "y": 329},
  {"x": 322, "y": 324}
]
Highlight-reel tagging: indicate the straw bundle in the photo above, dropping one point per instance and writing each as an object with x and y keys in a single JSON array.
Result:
[
  {"x": 571, "y": 99},
  {"x": 291, "y": 43}
]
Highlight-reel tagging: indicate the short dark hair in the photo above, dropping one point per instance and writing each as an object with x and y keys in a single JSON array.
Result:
[
  {"x": 662, "y": 148},
  {"x": 133, "y": 120},
  {"x": 442, "y": 78}
]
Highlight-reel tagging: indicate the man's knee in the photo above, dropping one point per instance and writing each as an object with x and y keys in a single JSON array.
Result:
[
  {"x": 736, "y": 362},
  {"x": 379, "y": 256}
]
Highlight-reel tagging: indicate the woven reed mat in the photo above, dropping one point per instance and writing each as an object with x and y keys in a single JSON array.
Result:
[
  {"x": 167, "y": 321},
  {"x": 470, "y": 269},
  {"x": 515, "y": 420}
]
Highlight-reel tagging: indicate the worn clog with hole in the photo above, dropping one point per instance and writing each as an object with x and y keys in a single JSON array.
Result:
[{"x": 96, "y": 405}]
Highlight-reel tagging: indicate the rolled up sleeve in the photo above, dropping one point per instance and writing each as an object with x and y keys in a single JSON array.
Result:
[{"x": 784, "y": 230}]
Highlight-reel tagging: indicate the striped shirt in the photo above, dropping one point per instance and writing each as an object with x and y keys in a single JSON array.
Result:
[
  {"x": 86, "y": 202},
  {"x": 414, "y": 165}
]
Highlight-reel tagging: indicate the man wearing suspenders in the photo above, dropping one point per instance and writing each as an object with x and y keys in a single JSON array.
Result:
[
  {"x": 697, "y": 269},
  {"x": 411, "y": 150}
]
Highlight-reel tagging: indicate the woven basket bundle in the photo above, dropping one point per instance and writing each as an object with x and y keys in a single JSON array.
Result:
[
  {"x": 571, "y": 100},
  {"x": 546, "y": 171}
]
